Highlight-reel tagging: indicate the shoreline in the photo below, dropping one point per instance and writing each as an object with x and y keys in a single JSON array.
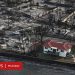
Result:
[{"x": 35, "y": 59}]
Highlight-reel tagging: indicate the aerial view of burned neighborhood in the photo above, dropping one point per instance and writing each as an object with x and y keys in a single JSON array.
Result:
[{"x": 42, "y": 30}]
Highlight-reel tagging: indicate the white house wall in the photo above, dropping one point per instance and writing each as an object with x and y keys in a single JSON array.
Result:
[
  {"x": 62, "y": 54},
  {"x": 69, "y": 50},
  {"x": 46, "y": 50}
]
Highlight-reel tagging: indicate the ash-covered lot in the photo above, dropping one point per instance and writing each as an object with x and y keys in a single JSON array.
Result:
[{"x": 23, "y": 22}]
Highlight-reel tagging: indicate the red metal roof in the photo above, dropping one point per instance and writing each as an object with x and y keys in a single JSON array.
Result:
[{"x": 58, "y": 45}]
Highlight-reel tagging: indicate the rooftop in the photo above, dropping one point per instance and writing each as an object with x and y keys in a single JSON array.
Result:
[{"x": 58, "y": 45}]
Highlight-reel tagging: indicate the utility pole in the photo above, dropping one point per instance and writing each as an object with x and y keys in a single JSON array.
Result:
[
  {"x": 65, "y": 26},
  {"x": 8, "y": 20},
  {"x": 59, "y": 10}
]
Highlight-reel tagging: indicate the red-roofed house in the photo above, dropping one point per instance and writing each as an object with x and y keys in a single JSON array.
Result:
[{"x": 56, "y": 48}]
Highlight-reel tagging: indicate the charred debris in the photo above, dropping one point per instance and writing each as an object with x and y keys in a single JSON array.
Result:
[{"x": 25, "y": 24}]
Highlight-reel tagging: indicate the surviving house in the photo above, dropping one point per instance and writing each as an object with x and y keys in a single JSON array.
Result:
[{"x": 56, "y": 48}]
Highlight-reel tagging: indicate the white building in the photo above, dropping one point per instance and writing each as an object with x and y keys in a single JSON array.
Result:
[{"x": 56, "y": 48}]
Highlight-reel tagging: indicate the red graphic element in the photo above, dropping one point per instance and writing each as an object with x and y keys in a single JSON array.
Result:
[{"x": 11, "y": 65}]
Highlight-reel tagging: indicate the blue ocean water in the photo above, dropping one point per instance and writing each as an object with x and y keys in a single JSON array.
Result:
[{"x": 32, "y": 68}]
